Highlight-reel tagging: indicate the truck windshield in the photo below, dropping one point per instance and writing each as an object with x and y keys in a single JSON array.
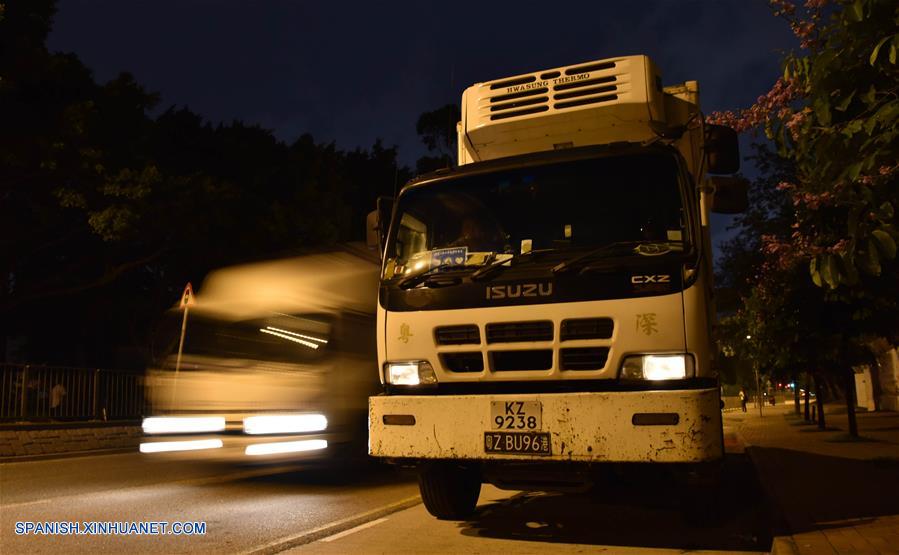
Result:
[{"x": 568, "y": 207}]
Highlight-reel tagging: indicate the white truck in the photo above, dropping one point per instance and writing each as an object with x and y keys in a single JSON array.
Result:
[
  {"x": 545, "y": 308},
  {"x": 278, "y": 364}
]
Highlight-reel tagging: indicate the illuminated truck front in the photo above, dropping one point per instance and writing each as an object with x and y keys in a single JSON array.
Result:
[
  {"x": 567, "y": 275},
  {"x": 601, "y": 242}
]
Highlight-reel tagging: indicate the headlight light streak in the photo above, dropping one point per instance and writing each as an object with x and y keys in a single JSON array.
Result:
[
  {"x": 303, "y": 342},
  {"x": 286, "y": 447},
  {"x": 183, "y": 424},
  {"x": 284, "y": 423},
  {"x": 189, "y": 445}
]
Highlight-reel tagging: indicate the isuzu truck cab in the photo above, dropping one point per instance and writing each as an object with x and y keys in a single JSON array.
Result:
[{"x": 545, "y": 308}]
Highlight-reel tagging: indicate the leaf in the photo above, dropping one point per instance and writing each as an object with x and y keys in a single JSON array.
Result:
[
  {"x": 856, "y": 11},
  {"x": 813, "y": 271},
  {"x": 887, "y": 112},
  {"x": 853, "y": 171},
  {"x": 870, "y": 124},
  {"x": 845, "y": 102},
  {"x": 870, "y": 97},
  {"x": 822, "y": 110},
  {"x": 885, "y": 243},
  {"x": 830, "y": 272},
  {"x": 852, "y": 128},
  {"x": 870, "y": 261},
  {"x": 876, "y": 50}
]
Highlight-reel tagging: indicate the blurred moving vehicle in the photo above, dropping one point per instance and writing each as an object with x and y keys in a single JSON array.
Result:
[{"x": 278, "y": 361}]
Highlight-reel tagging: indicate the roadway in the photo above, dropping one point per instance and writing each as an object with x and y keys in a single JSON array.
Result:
[{"x": 365, "y": 510}]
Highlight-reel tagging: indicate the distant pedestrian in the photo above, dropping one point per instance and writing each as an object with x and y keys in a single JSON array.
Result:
[
  {"x": 743, "y": 399},
  {"x": 56, "y": 399}
]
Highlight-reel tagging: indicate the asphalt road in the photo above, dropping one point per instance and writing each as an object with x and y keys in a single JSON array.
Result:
[
  {"x": 245, "y": 509},
  {"x": 374, "y": 510}
]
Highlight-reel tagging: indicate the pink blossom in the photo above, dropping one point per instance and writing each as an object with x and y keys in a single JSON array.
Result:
[
  {"x": 785, "y": 186},
  {"x": 781, "y": 94},
  {"x": 782, "y": 7}
]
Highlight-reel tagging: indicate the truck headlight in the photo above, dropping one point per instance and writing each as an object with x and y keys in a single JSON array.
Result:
[
  {"x": 416, "y": 372},
  {"x": 657, "y": 367}
]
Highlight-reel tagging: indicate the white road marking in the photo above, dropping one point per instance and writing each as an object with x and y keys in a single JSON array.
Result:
[
  {"x": 353, "y": 530},
  {"x": 333, "y": 528}
]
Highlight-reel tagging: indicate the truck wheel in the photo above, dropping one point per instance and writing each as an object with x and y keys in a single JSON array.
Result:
[
  {"x": 702, "y": 508},
  {"x": 701, "y": 496},
  {"x": 449, "y": 491}
]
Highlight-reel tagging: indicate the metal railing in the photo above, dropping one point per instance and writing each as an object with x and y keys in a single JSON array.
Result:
[{"x": 40, "y": 393}]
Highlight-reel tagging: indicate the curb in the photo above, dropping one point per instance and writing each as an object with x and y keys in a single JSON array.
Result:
[
  {"x": 782, "y": 542},
  {"x": 14, "y": 426},
  {"x": 333, "y": 528},
  {"x": 68, "y": 454}
]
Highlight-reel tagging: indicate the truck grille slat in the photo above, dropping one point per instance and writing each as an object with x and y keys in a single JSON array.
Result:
[
  {"x": 513, "y": 332},
  {"x": 584, "y": 92},
  {"x": 587, "y": 328},
  {"x": 463, "y": 362},
  {"x": 585, "y": 83},
  {"x": 505, "y": 361},
  {"x": 504, "y": 115},
  {"x": 590, "y": 67},
  {"x": 591, "y": 100},
  {"x": 522, "y": 94},
  {"x": 466, "y": 334},
  {"x": 589, "y": 358}
]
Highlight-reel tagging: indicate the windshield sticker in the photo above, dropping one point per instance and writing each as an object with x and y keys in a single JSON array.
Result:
[
  {"x": 652, "y": 249},
  {"x": 449, "y": 257},
  {"x": 674, "y": 235}
]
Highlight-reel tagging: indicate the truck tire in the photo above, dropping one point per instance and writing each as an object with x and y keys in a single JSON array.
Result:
[
  {"x": 701, "y": 496},
  {"x": 449, "y": 491}
]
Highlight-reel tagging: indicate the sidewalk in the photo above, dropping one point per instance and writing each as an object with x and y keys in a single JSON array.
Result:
[{"x": 834, "y": 493}]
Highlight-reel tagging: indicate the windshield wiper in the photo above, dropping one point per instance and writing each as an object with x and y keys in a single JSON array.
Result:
[
  {"x": 485, "y": 272},
  {"x": 409, "y": 282},
  {"x": 669, "y": 246}
]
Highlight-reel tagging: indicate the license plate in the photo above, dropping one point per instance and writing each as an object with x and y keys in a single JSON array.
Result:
[
  {"x": 523, "y": 416},
  {"x": 518, "y": 443}
]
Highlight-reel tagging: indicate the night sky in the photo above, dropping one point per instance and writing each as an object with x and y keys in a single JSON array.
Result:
[{"x": 352, "y": 72}]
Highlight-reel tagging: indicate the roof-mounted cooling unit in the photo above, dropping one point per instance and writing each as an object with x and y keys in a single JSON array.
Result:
[{"x": 598, "y": 102}]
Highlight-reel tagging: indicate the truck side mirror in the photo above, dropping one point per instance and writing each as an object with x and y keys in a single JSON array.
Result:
[
  {"x": 377, "y": 223},
  {"x": 722, "y": 149},
  {"x": 730, "y": 194}
]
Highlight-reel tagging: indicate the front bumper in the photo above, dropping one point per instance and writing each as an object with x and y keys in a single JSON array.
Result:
[{"x": 584, "y": 427}]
